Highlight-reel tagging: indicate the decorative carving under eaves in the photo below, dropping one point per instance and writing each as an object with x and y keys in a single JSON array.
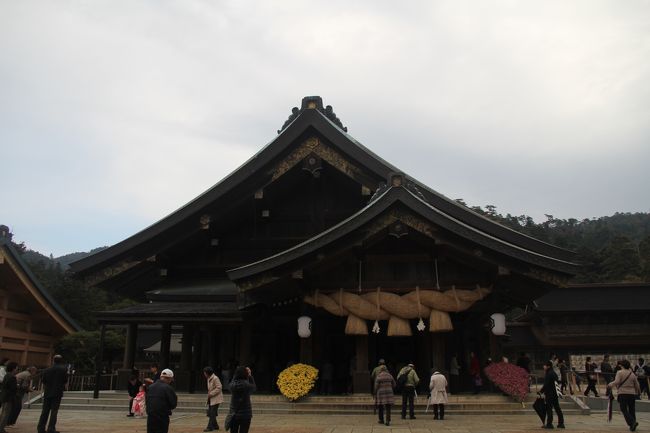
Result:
[
  {"x": 108, "y": 273},
  {"x": 398, "y": 216},
  {"x": 313, "y": 146},
  {"x": 548, "y": 277},
  {"x": 256, "y": 282}
]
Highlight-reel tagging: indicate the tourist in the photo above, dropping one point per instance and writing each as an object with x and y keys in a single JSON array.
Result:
[
  {"x": 132, "y": 387},
  {"x": 642, "y": 372},
  {"x": 628, "y": 388},
  {"x": 139, "y": 407},
  {"x": 24, "y": 384},
  {"x": 556, "y": 364},
  {"x": 3, "y": 368},
  {"x": 590, "y": 371},
  {"x": 454, "y": 374},
  {"x": 8, "y": 395},
  {"x": 160, "y": 401},
  {"x": 411, "y": 380},
  {"x": 215, "y": 398},
  {"x": 155, "y": 374},
  {"x": 54, "y": 380},
  {"x": 475, "y": 372},
  {"x": 607, "y": 369},
  {"x": 384, "y": 384},
  {"x": 564, "y": 371},
  {"x": 375, "y": 371},
  {"x": 550, "y": 397},
  {"x": 438, "y": 399},
  {"x": 241, "y": 387}
]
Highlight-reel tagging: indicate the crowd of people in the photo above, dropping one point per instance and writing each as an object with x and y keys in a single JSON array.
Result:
[
  {"x": 15, "y": 385},
  {"x": 155, "y": 398}
]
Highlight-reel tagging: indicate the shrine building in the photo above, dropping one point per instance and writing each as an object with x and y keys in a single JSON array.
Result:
[
  {"x": 31, "y": 321},
  {"x": 317, "y": 227}
]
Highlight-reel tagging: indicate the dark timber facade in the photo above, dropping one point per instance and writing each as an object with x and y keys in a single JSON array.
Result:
[{"x": 315, "y": 224}]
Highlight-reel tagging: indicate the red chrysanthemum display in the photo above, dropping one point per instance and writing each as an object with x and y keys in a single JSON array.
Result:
[{"x": 509, "y": 378}]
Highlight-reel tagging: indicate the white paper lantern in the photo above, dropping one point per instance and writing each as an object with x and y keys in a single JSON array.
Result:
[
  {"x": 498, "y": 324},
  {"x": 304, "y": 326}
]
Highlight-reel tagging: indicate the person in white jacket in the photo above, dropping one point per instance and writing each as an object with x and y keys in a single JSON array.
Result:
[
  {"x": 438, "y": 399},
  {"x": 215, "y": 398}
]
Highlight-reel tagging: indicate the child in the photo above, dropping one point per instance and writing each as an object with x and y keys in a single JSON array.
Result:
[{"x": 139, "y": 406}]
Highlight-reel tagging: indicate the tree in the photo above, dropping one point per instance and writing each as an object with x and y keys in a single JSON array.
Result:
[{"x": 80, "y": 349}]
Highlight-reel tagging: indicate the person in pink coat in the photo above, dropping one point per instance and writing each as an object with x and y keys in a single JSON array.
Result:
[{"x": 138, "y": 405}]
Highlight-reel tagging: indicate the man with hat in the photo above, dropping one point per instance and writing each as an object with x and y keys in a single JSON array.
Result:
[
  {"x": 408, "y": 390},
  {"x": 377, "y": 369},
  {"x": 161, "y": 400}
]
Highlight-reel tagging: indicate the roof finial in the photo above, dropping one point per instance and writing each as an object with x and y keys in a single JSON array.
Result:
[{"x": 313, "y": 103}]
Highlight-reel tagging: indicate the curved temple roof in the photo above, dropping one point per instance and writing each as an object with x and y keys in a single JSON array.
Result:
[
  {"x": 300, "y": 122},
  {"x": 414, "y": 201}
]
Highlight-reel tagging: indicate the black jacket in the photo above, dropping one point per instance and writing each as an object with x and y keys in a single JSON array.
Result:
[
  {"x": 9, "y": 388},
  {"x": 161, "y": 399},
  {"x": 240, "y": 400},
  {"x": 54, "y": 380},
  {"x": 133, "y": 388},
  {"x": 549, "y": 391}
]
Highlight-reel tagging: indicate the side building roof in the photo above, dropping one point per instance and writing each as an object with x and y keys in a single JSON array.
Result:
[{"x": 37, "y": 290}]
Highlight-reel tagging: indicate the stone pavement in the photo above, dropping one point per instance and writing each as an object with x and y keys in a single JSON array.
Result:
[{"x": 114, "y": 422}]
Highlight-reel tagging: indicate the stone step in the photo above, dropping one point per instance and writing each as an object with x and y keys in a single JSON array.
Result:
[
  {"x": 359, "y": 404},
  {"x": 309, "y": 411}
]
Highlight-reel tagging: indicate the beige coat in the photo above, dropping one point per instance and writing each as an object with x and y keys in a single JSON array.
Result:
[
  {"x": 438, "y": 387},
  {"x": 624, "y": 384},
  {"x": 215, "y": 394}
]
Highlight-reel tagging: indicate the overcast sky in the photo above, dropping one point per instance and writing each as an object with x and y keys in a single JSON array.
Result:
[{"x": 113, "y": 114}]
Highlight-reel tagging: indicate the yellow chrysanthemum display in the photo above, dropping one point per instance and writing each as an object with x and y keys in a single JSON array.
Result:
[{"x": 297, "y": 380}]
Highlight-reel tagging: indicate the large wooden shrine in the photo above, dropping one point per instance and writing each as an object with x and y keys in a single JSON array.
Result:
[
  {"x": 316, "y": 225},
  {"x": 31, "y": 321}
]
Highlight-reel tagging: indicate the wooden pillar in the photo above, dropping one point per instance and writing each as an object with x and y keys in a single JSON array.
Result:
[
  {"x": 361, "y": 377},
  {"x": 98, "y": 361},
  {"x": 129, "y": 348},
  {"x": 245, "y": 337},
  {"x": 212, "y": 347},
  {"x": 165, "y": 341},
  {"x": 186, "y": 347},
  {"x": 196, "y": 359},
  {"x": 438, "y": 351}
]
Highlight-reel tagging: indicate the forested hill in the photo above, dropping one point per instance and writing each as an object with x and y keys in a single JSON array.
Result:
[
  {"x": 611, "y": 249},
  {"x": 64, "y": 261}
]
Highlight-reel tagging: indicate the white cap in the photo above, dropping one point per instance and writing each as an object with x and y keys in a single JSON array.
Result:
[{"x": 167, "y": 373}]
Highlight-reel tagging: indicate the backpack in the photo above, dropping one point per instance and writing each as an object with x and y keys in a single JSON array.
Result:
[{"x": 402, "y": 379}]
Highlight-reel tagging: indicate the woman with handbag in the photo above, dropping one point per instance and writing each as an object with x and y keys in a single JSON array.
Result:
[
  {"x": 628, "y": 389},
  {"x": 241, "y": 411}
]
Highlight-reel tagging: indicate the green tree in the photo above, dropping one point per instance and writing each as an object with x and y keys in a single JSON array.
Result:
[{"x": 80, "y": 349}]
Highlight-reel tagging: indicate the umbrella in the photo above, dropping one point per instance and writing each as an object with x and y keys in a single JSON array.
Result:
[
  {"x": 540, "y": 408},
  {"x": 610, "y": 402}
]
